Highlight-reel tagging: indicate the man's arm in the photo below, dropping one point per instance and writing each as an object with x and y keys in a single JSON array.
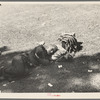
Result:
[{"x": 41, "y": 55}]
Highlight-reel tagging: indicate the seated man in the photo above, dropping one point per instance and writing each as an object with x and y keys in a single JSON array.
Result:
[
  {"x": 69, "y": 46},
  {"x": 22, "y": 64}
]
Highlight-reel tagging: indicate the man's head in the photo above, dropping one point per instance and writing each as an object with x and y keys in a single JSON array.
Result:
[{"x": 51, "y": 49}]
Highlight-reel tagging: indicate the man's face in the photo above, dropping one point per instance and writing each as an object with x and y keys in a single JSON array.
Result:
[{"x": 51, "y": 49}]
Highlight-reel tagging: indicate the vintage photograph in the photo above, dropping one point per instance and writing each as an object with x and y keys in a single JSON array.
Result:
[{"x": 49, "y": 47}]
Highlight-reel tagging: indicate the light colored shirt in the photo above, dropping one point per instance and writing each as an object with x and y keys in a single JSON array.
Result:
[{"x": 59, "y": 53}]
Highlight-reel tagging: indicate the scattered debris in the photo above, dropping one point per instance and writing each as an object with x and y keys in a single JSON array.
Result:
[
  {"x": 60, "y": 66},
  {"x": 83, "y": 62},
  {"x": 4, "y": 84},
  {"x": 90, "y": 70},
  {"x": 43, "y": 24},
  {"x": 1, "y": 67},
  {"x": 12, "y": 81},
  {"x": 98, "y": 59},
  {"x": 31, "y": 64},
  {"x": 49, "y": 84},
  {"x": 37, "y": 74}
]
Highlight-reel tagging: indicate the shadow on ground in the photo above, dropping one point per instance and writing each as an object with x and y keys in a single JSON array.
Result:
[{"x": 82, "y": 74}]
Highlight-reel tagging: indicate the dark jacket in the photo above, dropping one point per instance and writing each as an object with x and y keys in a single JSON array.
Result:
[
  {"x": 22, "y": 64},
  {"x": 39, "y": 56}
]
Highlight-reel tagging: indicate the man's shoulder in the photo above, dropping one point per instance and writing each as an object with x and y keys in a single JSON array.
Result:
[{"x": 40, "y": 48}]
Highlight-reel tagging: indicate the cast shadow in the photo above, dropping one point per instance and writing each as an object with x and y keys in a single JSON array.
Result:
[
  {"x": 79, "y": 75},
  {"x": 81, "y": 68}
]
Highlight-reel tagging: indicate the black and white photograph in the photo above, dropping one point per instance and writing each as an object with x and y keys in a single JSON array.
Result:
[{"x": 49, "y": 47}]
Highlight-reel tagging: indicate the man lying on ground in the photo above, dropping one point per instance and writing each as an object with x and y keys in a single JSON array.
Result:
[{"x": 22, "y": 64}]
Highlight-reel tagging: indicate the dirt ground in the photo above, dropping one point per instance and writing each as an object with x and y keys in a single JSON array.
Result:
[{"x": 23, "y": 25}]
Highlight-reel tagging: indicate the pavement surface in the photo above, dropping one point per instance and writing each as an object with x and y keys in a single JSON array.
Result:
[{"x": 22, "y": 26}]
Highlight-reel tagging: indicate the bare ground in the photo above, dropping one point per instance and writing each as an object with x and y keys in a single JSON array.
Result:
[{"x": 23, "y": 25}]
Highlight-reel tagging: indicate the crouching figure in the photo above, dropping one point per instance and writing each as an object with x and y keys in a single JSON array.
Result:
[
  {"x": 22, "y": 64},
  {"x": 67, "y": 48}
]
